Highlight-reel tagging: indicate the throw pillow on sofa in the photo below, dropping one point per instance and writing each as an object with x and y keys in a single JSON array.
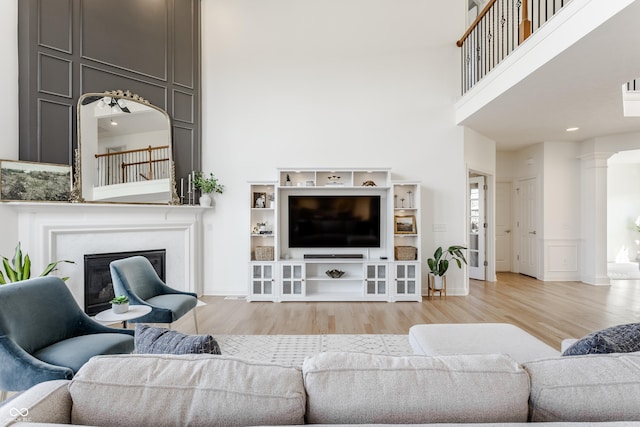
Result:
[
  {"x": 616, "y": 339},
  {"x": 153, "y": 340}
]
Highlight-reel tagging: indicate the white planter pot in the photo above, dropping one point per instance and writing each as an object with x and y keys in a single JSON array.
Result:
[
  {"x": 206, "y": 199},
  {"x": 120, "y": 308},
  {"x": 438, "y": 282}
]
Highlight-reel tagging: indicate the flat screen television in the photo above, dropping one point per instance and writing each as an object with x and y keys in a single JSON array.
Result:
[{"x": 334, "y": 221}]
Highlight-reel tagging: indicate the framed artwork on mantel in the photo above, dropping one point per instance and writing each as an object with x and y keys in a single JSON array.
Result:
[{"x": 32, "y": 181}]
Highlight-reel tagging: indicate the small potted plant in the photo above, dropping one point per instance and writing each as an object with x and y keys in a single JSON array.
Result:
[
  {"x": 207, "y": 186},
  {"x": 120, "y": 304},
  {"x": 439, "y": 264}
]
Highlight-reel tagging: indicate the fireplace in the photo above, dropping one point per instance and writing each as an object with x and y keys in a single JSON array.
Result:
[{"x": 98, "y": 289}]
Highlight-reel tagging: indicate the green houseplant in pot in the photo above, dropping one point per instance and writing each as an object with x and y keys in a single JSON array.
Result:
[
  {"x": 439, "y": 264},
  {"x": 207, "y": 186},
  {"x": 120, "y": 304}
]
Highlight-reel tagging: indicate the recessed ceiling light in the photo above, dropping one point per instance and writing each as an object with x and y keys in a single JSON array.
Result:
[{"x": 572, "y": 129}]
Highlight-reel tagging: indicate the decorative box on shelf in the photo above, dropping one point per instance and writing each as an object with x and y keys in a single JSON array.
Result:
[
  {"x": 264, "y": 253},
  {"x": 406, "y": 253}
]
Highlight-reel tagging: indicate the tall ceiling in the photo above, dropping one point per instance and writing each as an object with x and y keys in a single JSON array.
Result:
[{"x": 581, "y": 87}]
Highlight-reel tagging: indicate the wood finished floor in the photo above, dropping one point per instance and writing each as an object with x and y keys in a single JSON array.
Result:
[{"x": 551, "y": 311}]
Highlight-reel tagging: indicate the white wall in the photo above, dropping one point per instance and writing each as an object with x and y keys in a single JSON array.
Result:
[
  {"x": 9, "y": 112},
  {"x": 321, "y": 83},
  {"x": 562, "y": 216}
]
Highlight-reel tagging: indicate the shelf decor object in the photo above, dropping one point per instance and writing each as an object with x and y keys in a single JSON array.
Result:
[
  {"x": 264, "y": 253},
  {"x": 335, "y": 274},
  {"x": 406, "y": 253},
  {"x": 405, "y": 224}
]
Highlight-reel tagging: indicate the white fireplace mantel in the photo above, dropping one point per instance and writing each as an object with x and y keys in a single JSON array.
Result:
[{"x": 68, "y": 231}]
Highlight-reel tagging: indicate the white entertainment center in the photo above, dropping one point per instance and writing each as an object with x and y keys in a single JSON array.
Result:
[{"x": 378, "y": 262}]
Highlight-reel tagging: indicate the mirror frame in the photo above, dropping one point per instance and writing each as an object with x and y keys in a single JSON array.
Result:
[{"x": 76, "y": 191}]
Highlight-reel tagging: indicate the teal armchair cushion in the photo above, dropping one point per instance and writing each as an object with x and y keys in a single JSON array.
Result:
[
  {"x": 45, "y": 335},
  {"x": 136, "y": 278}
]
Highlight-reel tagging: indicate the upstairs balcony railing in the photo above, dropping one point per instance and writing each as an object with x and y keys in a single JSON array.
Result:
[
  {"x": 144, "y": 164},
  {"x": 500, "y": 27},
  {"x": 633, "y": 86}
]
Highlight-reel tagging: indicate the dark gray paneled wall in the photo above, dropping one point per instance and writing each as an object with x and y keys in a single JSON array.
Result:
[{"x": 71, "y": 47}]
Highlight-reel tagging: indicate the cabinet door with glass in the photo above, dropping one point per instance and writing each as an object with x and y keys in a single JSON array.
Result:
[
  {"x": 407, "y": 282},
  {"x": 262, "y": 282},
  {"x": 376, "y": 280},
  {"x": 292, "y": 284}
]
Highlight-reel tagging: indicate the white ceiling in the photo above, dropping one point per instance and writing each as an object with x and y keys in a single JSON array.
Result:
[{"x": 581, "y": 87}]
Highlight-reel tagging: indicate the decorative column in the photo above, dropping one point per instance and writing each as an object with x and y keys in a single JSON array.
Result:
[{"x": 593, "y": 215}]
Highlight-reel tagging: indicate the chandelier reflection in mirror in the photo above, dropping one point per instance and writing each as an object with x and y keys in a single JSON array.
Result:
[{"x": 124, "y": 150}]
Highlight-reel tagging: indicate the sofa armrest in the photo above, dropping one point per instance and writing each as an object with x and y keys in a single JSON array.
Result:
[{"x": 47, "y": 402}]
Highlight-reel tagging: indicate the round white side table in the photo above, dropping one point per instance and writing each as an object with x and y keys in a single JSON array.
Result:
[{"x": 135, "y": 311}]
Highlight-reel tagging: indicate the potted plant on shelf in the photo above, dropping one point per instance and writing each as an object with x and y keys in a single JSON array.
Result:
[
  {"x": 439, "y": 264},
  {"x": 20, "y": 267},
  {"x": 120, "y": 304},
  {"x": 207, "y": 186}
]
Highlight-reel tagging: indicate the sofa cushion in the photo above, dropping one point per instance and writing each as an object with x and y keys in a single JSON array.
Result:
[
  {"x": 616, "y": 339},
  {"x": 186, "y": 390},
  {"x": 152, "y": 340},
  {"x": 355, "y": 388},
  {"x": 585, "y": 388},
  {"x": 179, "y": 304}
]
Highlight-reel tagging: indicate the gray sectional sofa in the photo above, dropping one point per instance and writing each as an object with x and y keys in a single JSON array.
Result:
[{"x": 337, "y": 388}]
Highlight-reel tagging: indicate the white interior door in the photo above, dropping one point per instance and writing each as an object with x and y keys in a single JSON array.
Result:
[
  {"x": 528, "y": 256},
  {"x": 477, "y": 229},
  {"x": 503, "y": 226}
]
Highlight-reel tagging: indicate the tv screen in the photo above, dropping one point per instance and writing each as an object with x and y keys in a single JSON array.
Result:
[{"x": 334, "y": 221}]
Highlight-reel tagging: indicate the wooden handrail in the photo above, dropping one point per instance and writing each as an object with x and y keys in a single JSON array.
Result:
[
  {"x": 475, "y": 22},
  {"x": 131, "y": 151}
]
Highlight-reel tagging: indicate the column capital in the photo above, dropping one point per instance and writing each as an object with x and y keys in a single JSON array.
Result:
[{"x": 596, "y": 159}]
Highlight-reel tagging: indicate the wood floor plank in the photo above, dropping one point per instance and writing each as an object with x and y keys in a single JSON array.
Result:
[{"x": 551, "y": 311}]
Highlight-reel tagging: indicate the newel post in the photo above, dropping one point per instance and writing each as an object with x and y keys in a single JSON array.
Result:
[{"x": 525, "y": 23}]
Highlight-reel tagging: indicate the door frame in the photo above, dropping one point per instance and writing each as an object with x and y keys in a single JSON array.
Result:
[
  {"x": 490, "y": 232},
  {"x": 478, "y": 272}
]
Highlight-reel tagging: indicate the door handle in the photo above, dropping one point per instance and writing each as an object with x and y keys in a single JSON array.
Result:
[
  {"x": 507, "y": 231},
  {"x": 532, "y": 232}
]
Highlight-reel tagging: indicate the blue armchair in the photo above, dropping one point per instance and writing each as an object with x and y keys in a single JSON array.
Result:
[
  {"x": 136, "y": 278},
  {"x": 45, "y": 335}
]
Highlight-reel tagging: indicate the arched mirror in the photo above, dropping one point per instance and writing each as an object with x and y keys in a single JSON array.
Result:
[{"x": 124, "y": 151}]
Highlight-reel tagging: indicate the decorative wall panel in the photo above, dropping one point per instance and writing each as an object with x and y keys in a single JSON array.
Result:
[
  {"x": 183, "y": 44},
  {"x": 183, "y": 106},
  {"x": 183, "y": 139},
  {"x": 97, "y": 80},
  {"x": 561, "y": 259},
  {"x": 56, "y": 135},
  {"x": 55, "y": 76},
  {"x": 55, "y": 31},
  {"x": 137, "y": 28},
  {"x": 70, "y": 47}
]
